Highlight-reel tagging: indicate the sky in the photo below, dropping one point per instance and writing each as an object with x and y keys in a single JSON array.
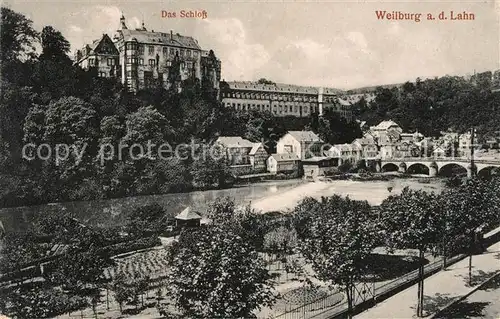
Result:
[{"x": 339, "y": 44}]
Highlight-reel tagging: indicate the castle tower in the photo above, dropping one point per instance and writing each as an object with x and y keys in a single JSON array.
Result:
[{"x": 123, "y": 26}]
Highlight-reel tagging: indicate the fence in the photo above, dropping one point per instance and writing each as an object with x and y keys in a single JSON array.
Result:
[
  {"x": 367, "y": 295},
  {"x": 377, "y": 293}
]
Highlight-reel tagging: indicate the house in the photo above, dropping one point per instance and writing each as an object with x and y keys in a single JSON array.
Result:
[
  {"x": 243, "y": 156},
  {"x": 493, "y": 143},
  {"x": 342, "y": 152},
  {"x": 439, "y": 152},
  {"x": 317, "y": 166},
  {"x": 412, "y": 137},
  {"x": 465, "y": 141},
  {"x": 283, "y": 163},
  {"x": 101, "y": 55},
  {"x": 188, "y": 218},
  {"x": 365, "y": 148},
  {"x": 304, "y": 144},
  {"x": 385, "y": 127},
  {"x": 258, "y": 156},
  {"x": 406, "y": 148}
]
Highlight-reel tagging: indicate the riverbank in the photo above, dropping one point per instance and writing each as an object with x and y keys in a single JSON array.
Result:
[
  {"x": 372, "y": 191},
  {"x": 263, "y": 196},
  {"x": 112, "y": 212}
]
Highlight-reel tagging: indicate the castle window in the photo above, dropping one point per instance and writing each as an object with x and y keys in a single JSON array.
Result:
[
  {"x": 141, "y": 61},
  {"x": 141, "y": 49},
  {"x": 91, "y": 61},
  {"x": 152, "y": 62},
  {"x": 111, "y": 62},
  {"x": 151, "y": 49},
  {"x": 171, "y": 51},
  {"x": 169, "y": 63},
  {"x": 182, "y": 53},
  {"x": 129, "y": 46},
  {"x": 188, "y": 53},
  {"x": 165, "y": 50},
  {"x": 102, "y": 74}
]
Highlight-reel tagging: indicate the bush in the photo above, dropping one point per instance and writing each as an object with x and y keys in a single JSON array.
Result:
[{"x": 345, "y": 167}]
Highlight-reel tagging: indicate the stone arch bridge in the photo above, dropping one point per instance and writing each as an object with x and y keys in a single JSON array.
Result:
[{"x": 435, "y": 165}]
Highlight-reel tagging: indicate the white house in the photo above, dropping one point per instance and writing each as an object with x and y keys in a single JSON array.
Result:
[
  {"x": 304, "y": 144},
  {"x": 283, "y": 162}
]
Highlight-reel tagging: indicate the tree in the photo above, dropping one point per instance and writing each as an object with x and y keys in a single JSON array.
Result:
[
  {"x": 122, "y": 291},
  {"x": 472, "y": 207},
  {"x": 217, "y": 274},
  {"x": 340, "y": 239},
  {"x": 19, "y": 249},
  {"x": 54, "y": 46},
  {"x": 78, "y": 272},
  {"x": 281, "y": 241},
  {"x": 40, "y": 302},
  {"x": 210, "y": 171},
  {"x": 411, "y": 220},
  {"x": 147, "y": 219},
  {"x": 17, "y": 35},
  {"x": 222, "y": 211}
]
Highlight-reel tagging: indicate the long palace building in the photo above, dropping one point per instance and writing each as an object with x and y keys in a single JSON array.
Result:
[
  {"x": 140, "y": 59},
  {"x": 284, "y": 99}
]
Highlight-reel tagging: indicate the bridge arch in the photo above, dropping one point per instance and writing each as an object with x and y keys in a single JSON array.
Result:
[
  {"x": 390, "y": 167},
  {"x": 418, "y": 168},
  {"x": 453, "y": 169},
  {"x": 489, "y": 171}
]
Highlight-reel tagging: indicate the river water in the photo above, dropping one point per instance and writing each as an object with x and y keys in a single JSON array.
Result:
[{"x": 265, "y": 196}]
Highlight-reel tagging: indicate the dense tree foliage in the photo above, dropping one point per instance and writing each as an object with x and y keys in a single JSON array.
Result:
[
  {"x": 435, "y": 105},
  {"x": 340, "y": 237},
  {"x": 215, "y": 273}
]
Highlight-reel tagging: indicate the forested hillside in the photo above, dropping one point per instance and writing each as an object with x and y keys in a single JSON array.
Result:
[{"x": 434, "y": 105}]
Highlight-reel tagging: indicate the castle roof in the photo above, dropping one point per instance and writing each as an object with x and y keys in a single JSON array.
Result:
[
  {"x": 280, "y": 87},
  {"x": 151, "y": 37}
]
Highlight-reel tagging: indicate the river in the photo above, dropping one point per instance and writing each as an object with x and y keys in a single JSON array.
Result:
[{"x": 264, "y": 196}]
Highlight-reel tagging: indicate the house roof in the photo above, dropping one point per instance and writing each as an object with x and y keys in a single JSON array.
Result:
[
  {"x": 305, "y": 136},
  {"x": 234, "y": 141},
  {"x": 315, "y": 159},
  {"x": 384, "y": 125},
  {"x": 342, "y": 146},
  {"x": 344, "y": 102},
  {"x": 188, "y": 214},
  {"x": 90, "y": 49},
  {"x": 255, "y": 148},
  {"x": 151, "y": 37},
  {"x": 364, "y": 141},
  {"x": 282, "y": 157}
]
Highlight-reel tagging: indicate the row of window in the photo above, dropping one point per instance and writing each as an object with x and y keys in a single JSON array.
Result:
[
  {"x": 152, "y": 62},
  {"x": 104, "y": 74},
  {"x": 275, "y": 108},
  {"x": 270, "y": 96},
  {"x": 165, "y": 50},
  {"x": 95, "y": 62}
]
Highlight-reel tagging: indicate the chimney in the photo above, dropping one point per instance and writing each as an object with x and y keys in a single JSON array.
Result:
[{"x": 171, "y": 35}]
